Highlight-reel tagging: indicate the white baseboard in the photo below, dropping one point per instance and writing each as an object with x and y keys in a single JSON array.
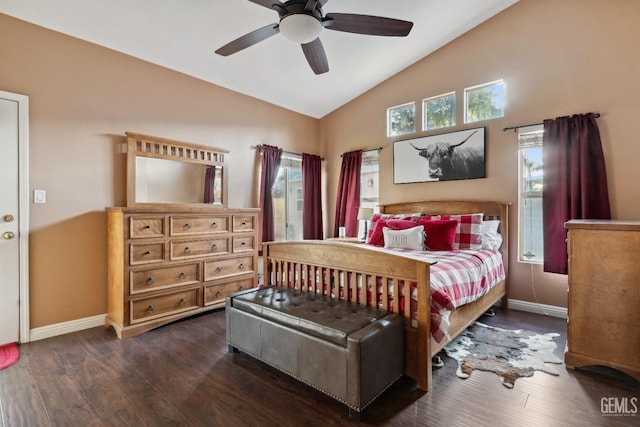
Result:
[
  {"x": 66, "y": 327},
  {"x": 94, "y": 321},
  {"x": 531, "y": 307}
]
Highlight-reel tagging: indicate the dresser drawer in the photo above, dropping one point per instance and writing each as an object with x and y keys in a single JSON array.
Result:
[
  {"x": 145, "y": 253},
  {"x": 161, "y": 278},
  {"x": 243, "y": 223},
  {"x": 218, "y": 269},
  {"x": 186, "y": 249},
  {"x": 199, "y": 225},
  {"x": 163, "y": 305},
  {"x": 214, "y": 293},
  {"x": 243, "y": 244},
  {"x": 140, "y": 227}
]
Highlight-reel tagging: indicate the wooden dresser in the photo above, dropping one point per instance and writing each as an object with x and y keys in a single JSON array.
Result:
[
  {"x": 604, "y": 295},
  {"x": 166, "y": 264}
]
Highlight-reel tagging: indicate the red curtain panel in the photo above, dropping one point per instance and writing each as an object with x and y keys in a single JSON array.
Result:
[
  {"x": 271, "y": 157},
  {"x": 575, "y": 182},
  {"x": 312, "y": 228},
  {"x": 348, "y": 199}
]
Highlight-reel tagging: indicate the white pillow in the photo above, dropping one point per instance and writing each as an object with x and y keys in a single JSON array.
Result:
[
  {"x": 410, "y": 238},
  {"x": 491, "y": 239}
]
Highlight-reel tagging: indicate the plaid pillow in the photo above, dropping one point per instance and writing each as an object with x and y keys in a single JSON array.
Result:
[{"x": 469, "y": 231}]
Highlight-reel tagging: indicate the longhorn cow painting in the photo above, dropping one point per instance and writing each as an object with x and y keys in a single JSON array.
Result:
[{"x": 444, "y": 157}]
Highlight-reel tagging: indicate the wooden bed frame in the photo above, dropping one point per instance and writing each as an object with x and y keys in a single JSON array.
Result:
[{"x": 312, "y": 265}]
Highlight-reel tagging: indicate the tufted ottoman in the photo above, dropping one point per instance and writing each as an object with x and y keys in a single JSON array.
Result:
[{"x": 348, "y": 351}]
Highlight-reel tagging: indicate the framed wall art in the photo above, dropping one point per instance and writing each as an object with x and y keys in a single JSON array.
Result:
[{"x": 444, "y": 157}]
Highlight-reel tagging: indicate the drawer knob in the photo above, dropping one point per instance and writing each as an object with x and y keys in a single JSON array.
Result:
[
  {"x": 242, "y": 288},
  {"x": 150, "y": 309},
  {"x": 218, "y": 269},
  {"x": 186, "y": 226},
  {"x": 182, "y": 301},
  {"x": 151, "y": 281},
  {"x": 182, "y": 275},
  {"x": 218, "y": 294},
  {"x": 214, "y": 247},
  {"x": 187, "y": 250},
  {"x": 244, "y": 223},
  {"x": 241, "y": 266},
  {"x": 243, "y": 243},
  {"x": 146, "y": 227},
  {"x": 214, "y": 224},
  {"x": 147, "y": 253}
]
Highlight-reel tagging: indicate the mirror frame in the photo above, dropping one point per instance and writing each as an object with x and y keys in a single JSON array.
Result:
[{"x": 139, "y": 145}]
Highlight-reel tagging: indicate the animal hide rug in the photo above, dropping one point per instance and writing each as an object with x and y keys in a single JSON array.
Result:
[{"x": 510, "y": 354}]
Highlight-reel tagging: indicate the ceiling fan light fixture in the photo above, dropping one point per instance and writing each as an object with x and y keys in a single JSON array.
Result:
[{"x": 300, "y": 27}]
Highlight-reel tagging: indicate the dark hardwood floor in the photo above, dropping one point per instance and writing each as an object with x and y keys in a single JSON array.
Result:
[{"x": 182, "y": 375}]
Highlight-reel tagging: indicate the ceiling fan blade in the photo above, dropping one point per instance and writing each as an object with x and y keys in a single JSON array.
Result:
[
  {"x": 366, "y": 24},
  {"x": 316, "y": 57},
  {"x": 310, "y": 6},
  {"x": 248, "y": 40},
  {"x": 322, "y": 2},
  {"x": 268, "y": 3}
]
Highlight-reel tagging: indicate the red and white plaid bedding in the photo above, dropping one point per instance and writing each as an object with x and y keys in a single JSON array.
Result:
[{"x": 457, "y": 278}]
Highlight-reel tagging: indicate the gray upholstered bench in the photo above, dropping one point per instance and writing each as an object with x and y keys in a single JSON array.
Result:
[{"x": 348, "y": 351}]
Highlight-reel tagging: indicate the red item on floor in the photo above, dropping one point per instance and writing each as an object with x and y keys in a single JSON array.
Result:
[{"x": 9, "y": 354}]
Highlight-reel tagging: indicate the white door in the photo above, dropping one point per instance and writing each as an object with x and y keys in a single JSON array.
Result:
[{"x": 13, "y": 236}]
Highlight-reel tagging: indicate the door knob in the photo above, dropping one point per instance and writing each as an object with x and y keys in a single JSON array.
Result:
[
  {"x": 8, "y": 235},
  {"x": 8, "y": 218}
]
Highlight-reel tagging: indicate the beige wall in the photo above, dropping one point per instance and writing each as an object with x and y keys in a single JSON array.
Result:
[
  {"x": 82, "y": 100},
  {"x": 580, "y": 58},
  {"x": 557, "y": 57}
]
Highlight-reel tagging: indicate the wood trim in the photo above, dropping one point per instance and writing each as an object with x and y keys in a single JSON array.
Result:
[{"x": 140, "y": 145}]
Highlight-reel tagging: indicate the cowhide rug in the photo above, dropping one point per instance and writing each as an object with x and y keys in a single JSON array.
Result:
[{"x": 510, "y": 354}]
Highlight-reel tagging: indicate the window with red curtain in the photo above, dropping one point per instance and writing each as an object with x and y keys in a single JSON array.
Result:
[
  {"x": 348, "y": 198},
  {"x": 575, "y": 182},
  {"x": 312, "y": 227}
]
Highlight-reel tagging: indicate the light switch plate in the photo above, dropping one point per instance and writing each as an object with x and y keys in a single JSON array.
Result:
[{"x": 39, "y": 196}]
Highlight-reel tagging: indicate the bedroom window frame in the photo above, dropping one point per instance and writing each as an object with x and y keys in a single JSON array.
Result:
[
  {"x": 530, "y": 224},
  {"x": 408, "y": 127},
  {"x": 448, "y": 121},
  {"x": 369, "y": 184},
  {"x": 496, "y": 91},
  {"x": 288, "y": 217}
]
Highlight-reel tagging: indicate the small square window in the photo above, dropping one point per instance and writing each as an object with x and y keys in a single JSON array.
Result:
[
  {"x": 484, "y": 102},
  {"x": 439, "y": 111},
  {"x": 401, "y": 119}
]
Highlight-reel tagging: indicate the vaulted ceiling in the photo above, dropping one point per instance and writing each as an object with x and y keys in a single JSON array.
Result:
[{"x": 183, "y": 35}]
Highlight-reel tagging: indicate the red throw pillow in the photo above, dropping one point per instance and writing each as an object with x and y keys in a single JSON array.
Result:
[
  {"x": 440, "y": 233},
  {"x": 401, "y": 224},
  {"x": 376, "y": 238}
]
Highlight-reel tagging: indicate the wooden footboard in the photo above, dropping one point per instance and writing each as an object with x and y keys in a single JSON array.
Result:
[{"x": 352, "y": 272}]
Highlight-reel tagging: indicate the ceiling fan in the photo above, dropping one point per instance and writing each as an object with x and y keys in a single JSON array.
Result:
[{"x": 302, "y": 21}]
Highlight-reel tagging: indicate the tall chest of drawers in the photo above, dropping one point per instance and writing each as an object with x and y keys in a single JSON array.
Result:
[
  {"x": 166, "y": 265},
  {"x": 604, "y": 295}
]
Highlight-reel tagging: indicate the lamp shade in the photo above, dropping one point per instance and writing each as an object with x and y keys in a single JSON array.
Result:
[
  {"x": 365, "y": 213},
  {"x": 300, "y": 27}
]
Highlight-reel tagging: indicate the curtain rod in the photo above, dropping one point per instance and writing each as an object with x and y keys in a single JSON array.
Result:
[
  {"x": 259, "y": 147},
  {"x": 596, "y": 115},
  {"x": 379, "y": 149}
]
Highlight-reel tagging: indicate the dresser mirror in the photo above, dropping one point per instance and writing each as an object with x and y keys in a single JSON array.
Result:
[{"x": 167, "y": 172}]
